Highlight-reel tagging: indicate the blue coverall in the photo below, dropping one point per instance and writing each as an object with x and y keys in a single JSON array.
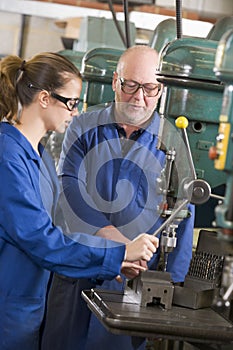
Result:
[
  {"x": 108, "y": 182},
  {"x": 31, "y": 246}
]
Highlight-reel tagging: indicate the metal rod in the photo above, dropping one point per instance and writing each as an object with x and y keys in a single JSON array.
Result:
[
  {"x": 189, "y": 153},
  {"x": 179, "y": 19},
  {"x": 127, "y": 31},
  {"x": 171, "y": 217},
  {"x": 221, "y": 198},
  {"x": 228, "y": 292},
  {"x": 116, "y": 22}
]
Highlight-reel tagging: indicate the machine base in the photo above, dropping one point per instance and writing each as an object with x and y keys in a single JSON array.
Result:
[{"x": 120, "y": 315}]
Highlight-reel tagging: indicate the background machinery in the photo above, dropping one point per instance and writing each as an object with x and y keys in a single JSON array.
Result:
[
  {"x": 197, "y": 105},
  {"x": 197, "y": 74}
]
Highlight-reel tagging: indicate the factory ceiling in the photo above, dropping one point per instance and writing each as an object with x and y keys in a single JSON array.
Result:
[{"x": 147, "y": 6}]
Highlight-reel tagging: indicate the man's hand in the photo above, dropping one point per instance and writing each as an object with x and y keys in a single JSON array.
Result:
[{"x": 112, "y": 233}]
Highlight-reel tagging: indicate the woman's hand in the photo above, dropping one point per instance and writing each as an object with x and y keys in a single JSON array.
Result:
[{"x": 141, "y": 248}]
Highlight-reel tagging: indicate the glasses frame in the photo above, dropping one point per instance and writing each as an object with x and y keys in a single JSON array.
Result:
[
  {"x": 60, "y": 98},
  {"x": 65, "y": 100},
  {"x": 142, "y": 86}
]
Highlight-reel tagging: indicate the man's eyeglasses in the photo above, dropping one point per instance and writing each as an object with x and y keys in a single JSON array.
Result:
[
  {"x": 71, "y": 103},
  {"x": 130, "y": 87}
]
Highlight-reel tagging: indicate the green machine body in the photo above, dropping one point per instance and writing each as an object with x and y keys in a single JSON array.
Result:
[
  {"x": 97, "y": 70},
  {"x": 223, "y": 159},
  {"x": 191, "y": 89}
]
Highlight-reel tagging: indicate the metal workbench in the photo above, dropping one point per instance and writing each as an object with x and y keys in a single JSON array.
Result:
[{"x": 120, "y": 315}]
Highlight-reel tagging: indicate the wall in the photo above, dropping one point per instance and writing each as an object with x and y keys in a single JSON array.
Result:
[
  {"x": 40, "y": 34},
  {"x": 9, "y": 33}
]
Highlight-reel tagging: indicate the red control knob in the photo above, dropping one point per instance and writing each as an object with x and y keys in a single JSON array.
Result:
[{"x": 213, "y": 153}]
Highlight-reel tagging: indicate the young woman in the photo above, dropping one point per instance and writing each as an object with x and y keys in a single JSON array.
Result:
[{"x": 36, "y": 96}]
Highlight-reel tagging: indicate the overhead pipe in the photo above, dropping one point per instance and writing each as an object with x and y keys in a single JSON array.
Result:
[
  {"x": 127, "y": 31},
  {"x": 117, "y": 23},
  {"x": 179, "y": 19}
]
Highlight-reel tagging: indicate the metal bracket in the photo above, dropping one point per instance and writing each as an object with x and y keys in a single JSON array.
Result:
[{"x": 151, "y": 287}]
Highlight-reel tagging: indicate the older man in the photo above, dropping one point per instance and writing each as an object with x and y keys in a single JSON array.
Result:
[{"x": 108, "y": 167}]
